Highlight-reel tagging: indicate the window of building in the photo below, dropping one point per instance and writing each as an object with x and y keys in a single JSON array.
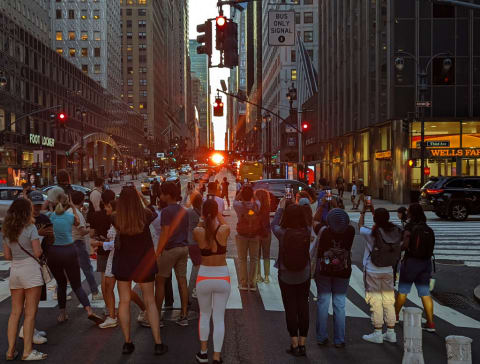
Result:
[
  {"x": 143, "y": 93},
  {"x": 310, "y": 53},
  {"x": 129, "y": 35},
  {"x": 71, "y": 14},
  {"x": 142, "y": 58},
  {"x": 96, "y": 14},
  {"x": 293, "y": 74},
  {"x": 84, "y": 52},
  {"x": 58, "y": 13},
  {"x": 129, "y": 23},
  {"x": 71, "y": 35},
  {"x": 131, "y": 105},
  {"x": 130, "y": 70},
  {"x": 307, "y": 2},
  {"x": 85, "y": 68},
  {"x": 308, "y": 17},
  {"x": 142, "y": 105},
  {"x": 130, "y": 94},
  {"x": 59, "y": 50},
  {"x": 96, "y": 52},
  {"x": 142, "y": 35},
  {"x": 142, "y": 70},
  {"x": 293, "y": 56},
  {"x": 129, "y": 58},
  {"x": 308, "y": 36},
  {"x": 130, "y": 82},
  {"x": 129, "y": 48},
  {"x": 142, "y": 23},
  {"x": 58, "y": 35},
  {"x": 143, "y": 82},
  {"x": 72, "y": 52},
  {"x": 142, "y": 47},
  {"x": 142, "y": 2},
  {"x": 129, "y": 12},
  {"x": 297, "y": 18},
  {"x": 84, "y": 35},
  {"x": 96, "y": 36},
  {"x": 142, "y": 12},
  {"x": 97, "y": 68},
  {"x": 83, "y": 14}
]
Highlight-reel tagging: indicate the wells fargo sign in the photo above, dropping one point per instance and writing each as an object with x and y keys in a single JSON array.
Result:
[
  {"x": 455, "y": 152},
  {"x": 386, "y": 154}
]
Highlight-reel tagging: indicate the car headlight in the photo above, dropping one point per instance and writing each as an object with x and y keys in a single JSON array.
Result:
[{"x": 143, "y": 185}]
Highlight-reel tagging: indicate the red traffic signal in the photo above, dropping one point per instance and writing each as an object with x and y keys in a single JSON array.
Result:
[
  {"x": 62, "y": 118},
  {"x": 221, "y": 21},
  {"x": 218, "y": 107},
  {"x": 305, "y": 126}
]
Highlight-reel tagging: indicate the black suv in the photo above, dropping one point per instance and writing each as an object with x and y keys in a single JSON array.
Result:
[
  {"x": 277, "y": 187},
  {"x": 452, "y": 197}
]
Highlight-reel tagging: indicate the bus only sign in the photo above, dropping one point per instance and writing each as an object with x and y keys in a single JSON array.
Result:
[
  {"x": 281, "y": 28},
  {"x": 455, "y": 152}
]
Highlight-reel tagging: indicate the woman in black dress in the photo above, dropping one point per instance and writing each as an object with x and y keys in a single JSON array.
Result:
[{"x": 135, "y": 260}]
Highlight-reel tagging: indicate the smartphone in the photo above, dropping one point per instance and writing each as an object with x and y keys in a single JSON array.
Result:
[
  {"x": 368, "y": 200},
  {"x": 329, "y": 195},
  {"x": 288, "y": 193},
  {"x": 245, "y": 180}
]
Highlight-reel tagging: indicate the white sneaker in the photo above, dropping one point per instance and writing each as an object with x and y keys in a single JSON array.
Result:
[
  {"x": 109, "y": 322},
  {"x": 390, "y": 336},
  {"x": 375, "y": 337},
  {"x": 97, "y": 296},
  {"x": 38, "y": 332},
  {"x": 55, "y": 297},
  {"x": 142, "y": 319},
  {"x": 37, "y": 338}
]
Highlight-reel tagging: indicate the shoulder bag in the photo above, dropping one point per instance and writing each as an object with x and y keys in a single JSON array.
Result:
[{"x": 46, "y": 273}]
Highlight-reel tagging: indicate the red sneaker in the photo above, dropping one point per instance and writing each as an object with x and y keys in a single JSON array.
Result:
[{"x": 429, "y": 327}]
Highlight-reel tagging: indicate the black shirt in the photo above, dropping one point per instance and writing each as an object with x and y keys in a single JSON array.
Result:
[
  {"x": 42, "y": 221},
  {"x": 345, "y": 239},
  {"x": 101, "y": 223}
]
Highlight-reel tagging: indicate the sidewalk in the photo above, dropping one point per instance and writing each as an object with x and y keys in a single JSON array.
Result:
[{"x": 390, "y": 206}]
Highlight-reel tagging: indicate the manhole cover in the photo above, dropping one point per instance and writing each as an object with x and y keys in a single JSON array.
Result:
[{"x": 454, "y": 300}]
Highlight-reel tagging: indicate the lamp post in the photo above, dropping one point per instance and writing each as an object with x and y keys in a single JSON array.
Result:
[
  {"x": 267, "y": 118},
  {"x": 82, "y": 114},
  {"x": 422, "y": 88}
]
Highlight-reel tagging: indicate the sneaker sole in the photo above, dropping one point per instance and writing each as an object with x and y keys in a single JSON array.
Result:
[
  {"x": 182, "y": 324},
  {"x": 108, "y": 327},
  {"x": 201, "y": 361}
]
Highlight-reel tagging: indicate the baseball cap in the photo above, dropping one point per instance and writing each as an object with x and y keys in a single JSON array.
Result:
[{"x": 36, "y": 197}]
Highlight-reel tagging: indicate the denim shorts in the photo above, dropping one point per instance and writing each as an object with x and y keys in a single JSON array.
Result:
[{"x": 418, "y": 271}]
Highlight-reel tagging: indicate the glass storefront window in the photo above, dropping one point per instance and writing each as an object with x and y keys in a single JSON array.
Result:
[
  {"x": 365, "y": 146},
  {"x": 471, "y": 134},
  {"x": 385, "y": 138},
  {"x": 445, "y": 134}
]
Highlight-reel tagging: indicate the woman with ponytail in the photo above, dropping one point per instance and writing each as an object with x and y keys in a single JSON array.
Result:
[
  {"x": 213, "y": 281},
  {"x": 62, "y": 256}
]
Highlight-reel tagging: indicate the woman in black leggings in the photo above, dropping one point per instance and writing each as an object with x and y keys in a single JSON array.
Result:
[{"x": 62, "y": 257}]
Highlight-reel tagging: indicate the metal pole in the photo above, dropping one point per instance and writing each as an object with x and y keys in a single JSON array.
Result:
[
  {"x": 422, "y": 79},
  {"x": 81, "y": 150}
]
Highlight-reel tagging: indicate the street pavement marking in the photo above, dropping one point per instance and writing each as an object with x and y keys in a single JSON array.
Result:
[
  {"x": 235, "y": 300},
  {"x": 176, "y": 294},
  {"x": 270, "y": 293}
]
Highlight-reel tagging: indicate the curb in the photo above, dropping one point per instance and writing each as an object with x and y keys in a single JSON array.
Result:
[{"x": 476, "y": 293}]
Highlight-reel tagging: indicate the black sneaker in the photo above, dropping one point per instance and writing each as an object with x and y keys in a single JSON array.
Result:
[
  {"x": 217, "y": 361},
  {"x": 160, "y": 349},
  {"x": 292, "y": 351},
  {"x": 340, "y": 346},
  {"x": 302, "y": 351},
  {"x": 201, "y": 358},
  {"x": 128, "y": 348},
  {"x": 323, "y": 342}
]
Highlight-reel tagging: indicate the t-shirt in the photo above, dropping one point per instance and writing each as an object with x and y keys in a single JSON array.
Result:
[
  {"x": 76, "y": 235},
  {"x": 101, "y": 223},
  {"x": 225, "y": 188},
  {"x": 193, "y": 219},
  {"x": 354, "y": 190},
  {"x": 25, "y": 238},
  {"x": 40, "y": 222},
  {"x": 96, "y": 198},
  {"x": 62, "y": 227},
  {"x": 367, "y": 262},
  {"x": 219, "y": 201},
  {"x": 176, "y": 217}
]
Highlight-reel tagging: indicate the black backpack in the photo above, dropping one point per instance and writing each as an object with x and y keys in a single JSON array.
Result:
[
  {"x": 387, "y": 247},
  {"x": 248, "y": 224},
  {"x": 336, "y": 259},
  {"x": 296, "y": 249},
  {"x": 422, "y": 242}
]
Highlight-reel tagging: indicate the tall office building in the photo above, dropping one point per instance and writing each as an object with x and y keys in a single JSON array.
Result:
[
  {"x": 87, "y": 33},
  {"x": 199, "y": 69}
]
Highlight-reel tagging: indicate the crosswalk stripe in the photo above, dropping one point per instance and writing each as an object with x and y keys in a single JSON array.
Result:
[
  {"x": 4, "y": 284},
  {"x": 176, "y": 293},
  {"x": 271, "y": 294},
  {"x": 235, "y": 300}
]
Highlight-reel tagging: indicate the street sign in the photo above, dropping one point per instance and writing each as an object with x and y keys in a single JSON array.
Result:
[
  {"x": 290, "y": 129},
  {"x": 281, "y": 28},
  {"x": 424, "y": 104},
  {"x": 160, "y": 155}
]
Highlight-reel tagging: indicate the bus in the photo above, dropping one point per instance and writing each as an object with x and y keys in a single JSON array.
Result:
[{"x": 253, "y": 171}]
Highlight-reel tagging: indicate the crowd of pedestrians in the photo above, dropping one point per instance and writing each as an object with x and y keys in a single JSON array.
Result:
[{"x": 143, "y": 241}]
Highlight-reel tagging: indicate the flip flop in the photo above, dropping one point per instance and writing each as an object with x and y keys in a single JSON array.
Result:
[
  {"x": 95, "y": 318},
  {"x": 13, "y": 357}
]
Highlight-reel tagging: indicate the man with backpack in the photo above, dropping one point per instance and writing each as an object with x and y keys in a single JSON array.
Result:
[
  {"x": 419, "y": 244},
  {"x": 247, "y": 239},
  {"x": 382, "y": 254}
]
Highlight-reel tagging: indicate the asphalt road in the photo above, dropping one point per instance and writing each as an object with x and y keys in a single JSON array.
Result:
[{"x": 255, "y": 328}]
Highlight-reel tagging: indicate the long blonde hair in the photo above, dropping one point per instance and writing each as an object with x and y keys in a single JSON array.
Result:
[
  {"x": 130, "y": 217},
  {"x": 62, "y": 204},
  {"x": 19, "y": 215}
]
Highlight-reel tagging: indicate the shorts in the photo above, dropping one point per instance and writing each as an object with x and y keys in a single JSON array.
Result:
[
  {"x": 25, "y": 274},
  {"x": 175, "y": 258},
  {"x": 102, "y": 263},
  {"x": 418, "y": 271}
]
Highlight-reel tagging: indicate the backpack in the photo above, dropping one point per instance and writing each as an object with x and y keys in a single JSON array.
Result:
[
  {"x": 296, "y": 249},
  {"x": 387, "y": 247},
  {"x": 335, "y": 259},
  {"x": 248, "y": 224},
  {"x": 422, "y": 242}
]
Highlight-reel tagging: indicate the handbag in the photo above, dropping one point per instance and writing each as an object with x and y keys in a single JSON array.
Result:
[{"x": 46, "y": 273}]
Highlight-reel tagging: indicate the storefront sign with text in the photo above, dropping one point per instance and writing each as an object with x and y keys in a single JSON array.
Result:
[
  {"x": 336, "y": 160},
  {"x": 455, "y": 152},
  {"x": 42, "y": 140},
  {"x": 387, "y": 154}
]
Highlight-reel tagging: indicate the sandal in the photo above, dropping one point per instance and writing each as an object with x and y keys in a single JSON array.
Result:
[
  {"x": 62, "y": 317},
  {"x": 95, "y": 318},
  {"x": 12, "y": 357},
  {"x": 35, "y": 355}
]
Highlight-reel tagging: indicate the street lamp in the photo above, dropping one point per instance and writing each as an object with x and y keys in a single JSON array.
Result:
[
  {"x": 82, "y": 114},
  {"x": 422, "y": 87},
  {"x": 267, "y": 119}
]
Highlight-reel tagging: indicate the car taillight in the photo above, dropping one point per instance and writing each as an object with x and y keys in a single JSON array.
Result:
[{"x": 434, "y": 192}]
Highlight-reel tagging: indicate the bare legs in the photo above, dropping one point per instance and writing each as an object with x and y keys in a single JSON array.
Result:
[{"x": 426, "y": 301}]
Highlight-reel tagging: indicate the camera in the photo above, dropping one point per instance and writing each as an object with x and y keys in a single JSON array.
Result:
[{"x": 329, "y": 195}]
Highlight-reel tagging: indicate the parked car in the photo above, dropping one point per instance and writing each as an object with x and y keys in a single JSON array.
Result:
[
  {"x": 277, "y": 188},
  {"x": 86, "y": 191},
  {"x": 453, "y": 197},
  {"x": 7, "y": 195},
  {"x": 201, "y": 175}
]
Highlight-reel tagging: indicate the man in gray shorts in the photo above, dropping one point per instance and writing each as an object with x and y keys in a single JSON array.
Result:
[{"x": 172, "y": 250}]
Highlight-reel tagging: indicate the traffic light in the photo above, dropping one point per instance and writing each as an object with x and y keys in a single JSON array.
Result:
[
  {"x": 230, "y": 45},
  {"x": 62, "y": 119},
  {"x": 411, "y": 163},
  {"x": 405, "y": 126},
  {"x": 218, "y": 107},
  {"x": 221, "y": 27},
  {"x": 205, "y": 39},
  {"x": 305, "y": 126}
]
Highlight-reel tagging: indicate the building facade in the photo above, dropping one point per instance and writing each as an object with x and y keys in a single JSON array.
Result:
[
  {"x": 88, "y": 33},
  {"x": 368, "y": 123},
  {"x": 39, "y": 84}
]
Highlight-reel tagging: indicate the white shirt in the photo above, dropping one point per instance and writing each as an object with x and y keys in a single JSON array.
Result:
[
  {"x": 220, "y": 203},
  {"x": 96, "y": 197},
  {"x": 76, "y": 235},
  {"x": 354, "y": 190},
  {"x": 367, "y": 262}
]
